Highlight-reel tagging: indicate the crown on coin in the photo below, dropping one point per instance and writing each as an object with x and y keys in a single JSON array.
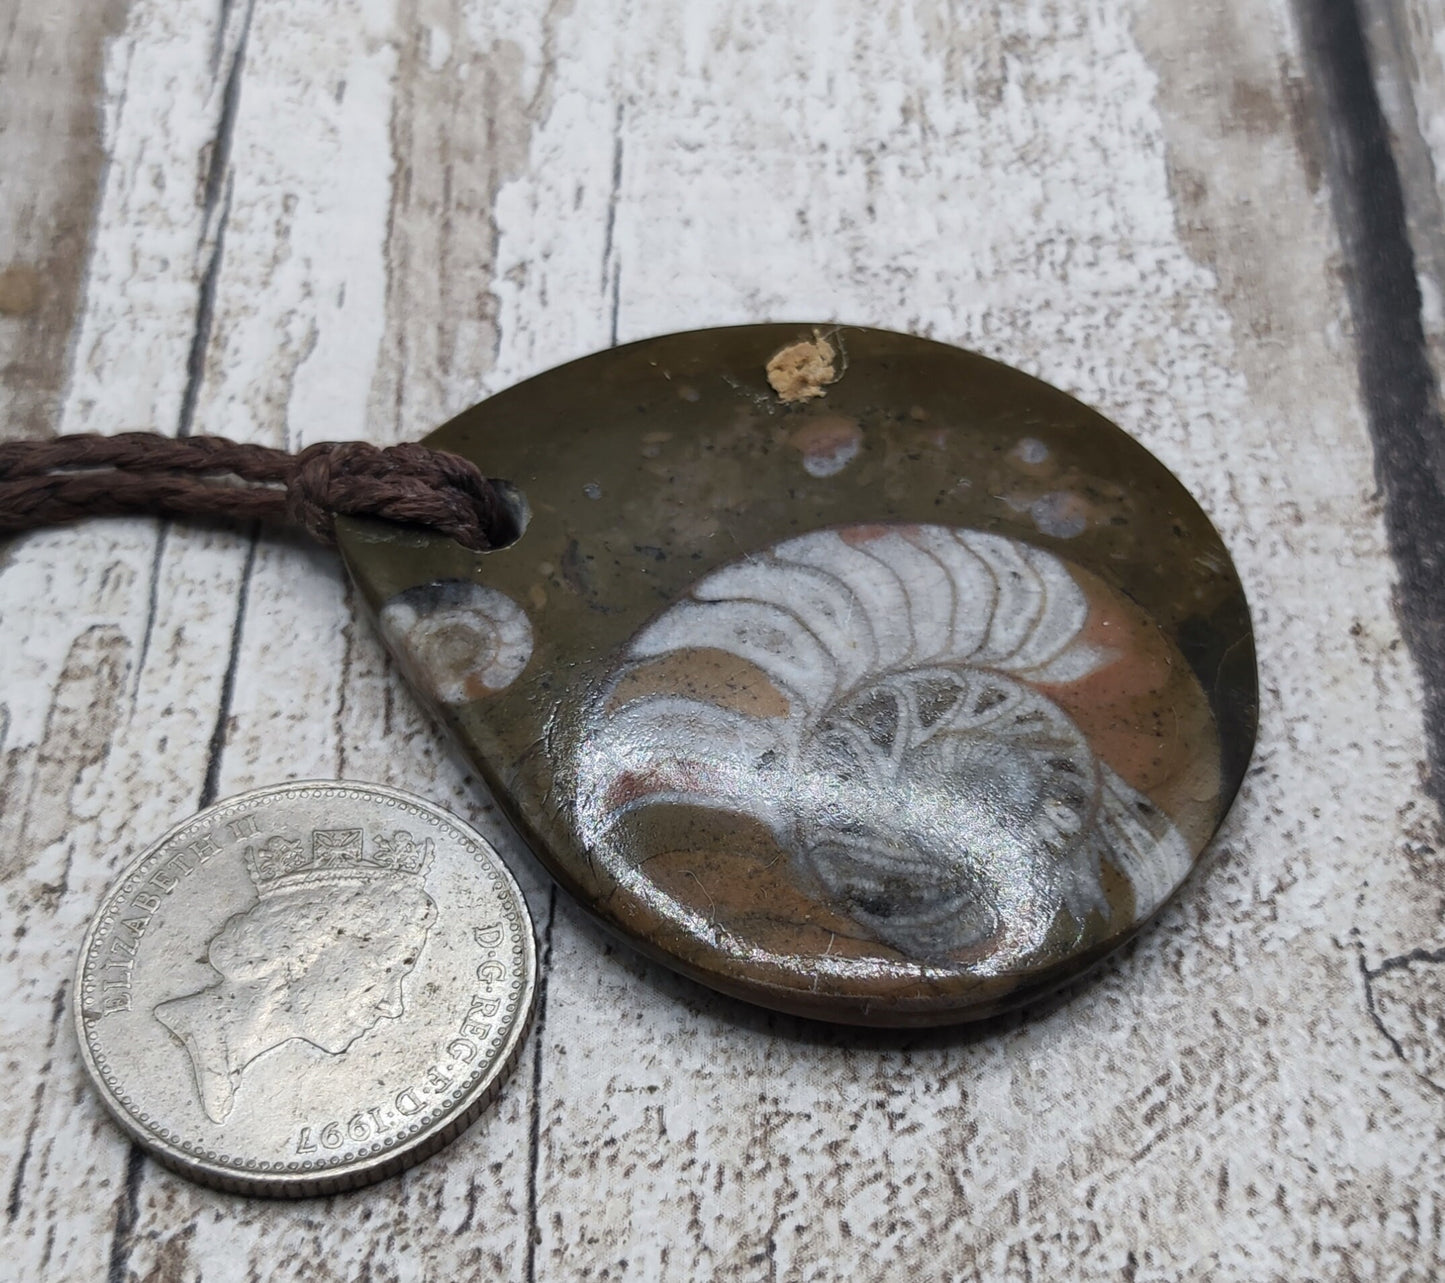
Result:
[{"x": 336, "y": 856}]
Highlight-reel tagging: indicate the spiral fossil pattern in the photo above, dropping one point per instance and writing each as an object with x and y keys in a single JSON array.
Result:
[
  {"x": 911, "y": 766},
  {"x": 462, "y": 640}
]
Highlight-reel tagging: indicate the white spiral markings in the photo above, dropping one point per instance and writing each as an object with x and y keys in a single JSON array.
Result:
[{"x": 920, "y": 780}]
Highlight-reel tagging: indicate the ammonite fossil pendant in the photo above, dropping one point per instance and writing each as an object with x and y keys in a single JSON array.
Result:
[{"x": 846, "y": 672}]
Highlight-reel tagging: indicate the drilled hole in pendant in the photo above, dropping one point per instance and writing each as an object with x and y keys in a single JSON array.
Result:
[{"x": 516, "y": 513}]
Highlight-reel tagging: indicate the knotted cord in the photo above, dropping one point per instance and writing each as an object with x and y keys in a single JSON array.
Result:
[{"x": 61, "y": 479}]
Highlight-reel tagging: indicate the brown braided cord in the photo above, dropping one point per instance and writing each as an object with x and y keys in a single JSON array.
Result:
[{"x": 61, "y": 479}]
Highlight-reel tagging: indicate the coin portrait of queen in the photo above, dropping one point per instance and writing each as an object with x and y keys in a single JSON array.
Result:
[{"x": 320, "y": 956}]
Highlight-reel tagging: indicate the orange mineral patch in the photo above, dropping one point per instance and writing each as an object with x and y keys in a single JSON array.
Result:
[
  {"x": 1145, "y": 714},
  {"x": 828, "y": 443},
  {"x": 857, "y": 536},
  {"x": 729, "y": 870},
  {"x": 703, "y": 673}
]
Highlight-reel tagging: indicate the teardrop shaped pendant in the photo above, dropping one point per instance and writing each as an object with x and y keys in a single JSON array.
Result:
[{"x": 849, "y": 673}]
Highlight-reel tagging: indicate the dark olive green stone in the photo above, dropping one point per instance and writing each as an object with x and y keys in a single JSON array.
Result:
[{"x": 898, "y": 705}]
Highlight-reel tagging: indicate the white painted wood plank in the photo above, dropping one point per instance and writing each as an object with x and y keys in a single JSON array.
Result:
[
  {"x": 427, "y": 200},
  {"x": 112, "y": 678},
  {"x": 298, "y": 313},
  {"x": 51, "y": 155},
  {"x": 1406, "y": 40}
]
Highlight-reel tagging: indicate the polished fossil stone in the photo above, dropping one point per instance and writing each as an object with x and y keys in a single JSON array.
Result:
[{"x": 899, "y": 701}]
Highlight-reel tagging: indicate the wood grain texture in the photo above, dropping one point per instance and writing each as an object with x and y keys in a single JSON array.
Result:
[
  {"x": 52, "y": 155},
  {"x": 321, "y": 220},
  {"x": 1406, "y": 41}
]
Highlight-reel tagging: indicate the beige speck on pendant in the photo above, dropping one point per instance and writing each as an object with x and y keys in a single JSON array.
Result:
[{"x": 802, "y": 371}]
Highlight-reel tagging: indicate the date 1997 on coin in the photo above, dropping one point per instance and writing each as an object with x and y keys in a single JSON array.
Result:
[{"x": 306, "y": 988}]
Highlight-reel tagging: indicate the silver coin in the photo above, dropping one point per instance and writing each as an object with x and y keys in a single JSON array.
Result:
[{"x": 306, "y": 988}]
